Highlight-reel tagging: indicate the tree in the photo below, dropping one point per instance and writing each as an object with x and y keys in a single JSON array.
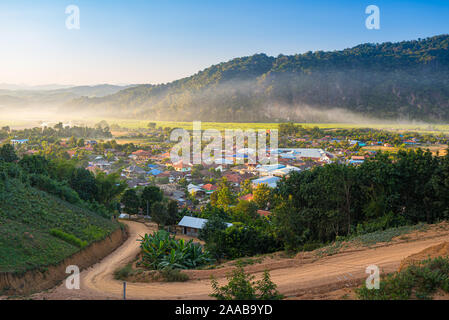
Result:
[
  {"x": 159, "y": 213},
  {"x": 245, "y": 211},
  {"x": 130, "y": 200},
  {"x": 109, "y": 187},
  {"x": 224, "y": 196},
  {"x": 151, "y": 125},
  {"x": 8, "y": 154},
  {"x": 35, "y": 164},
  {"x": 262, "y": 196},
  {"x": 246, "y": 187},
  {"x": 172, "y": 212},
  {"x": 84, "y": 183},
  {"x": 149, "y": 196},
  {"x": 72, "y": 142},
  {"x": 291, "y": 225},
  {"x": 80, "y": 143}
]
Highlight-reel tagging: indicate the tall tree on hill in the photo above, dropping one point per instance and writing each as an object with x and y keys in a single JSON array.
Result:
[
  {"x": 8, "y": 154},
  {"x": 159, "y": 213},
  {"x": 131, "y": 201},
  {"x": 150, "y": 195}
]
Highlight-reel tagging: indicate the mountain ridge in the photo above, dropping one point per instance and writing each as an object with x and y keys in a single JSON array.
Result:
[{"x": 402, "y": 80}]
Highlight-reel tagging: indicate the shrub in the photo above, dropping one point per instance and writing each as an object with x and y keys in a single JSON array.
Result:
[
  {"x": 161, "y": 250},
  {"x": 69, "y": 238},
  {"x": 241, "y": 286},
  {"x": 173, "y": 275},
  {"x": 123, "y": 273},
  {"x": 418, "y": 281},
  {"x": 56, "y": 188}
]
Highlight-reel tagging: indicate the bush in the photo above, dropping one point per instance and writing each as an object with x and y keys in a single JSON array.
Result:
[
  {"x": 69, "y": 238},
  {"x": 241, "y": 286},
  {"x": 418, "y": 281},
  {"x": 161, "y": 250},
  {"x": 56, "y": 188},
  {"x": 123, "y": 273},
  {"x": 173, "y": 275}
]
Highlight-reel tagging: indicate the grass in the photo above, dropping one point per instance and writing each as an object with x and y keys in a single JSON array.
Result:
[
  {"x": 124, "y": 272},
  {"x": 173, "y": 275},
  {"x": 243, "y": 262},
  {"x": 418, "y": 281},
  {"x": 27, "y": 217},
  {"x": 370, "y": 239},
  {"x": 67, "y": 237},
  {"x": 387, "y": 235}
]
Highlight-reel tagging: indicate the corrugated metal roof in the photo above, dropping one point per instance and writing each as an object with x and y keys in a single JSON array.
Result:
[{"x": 192, "y": 222}]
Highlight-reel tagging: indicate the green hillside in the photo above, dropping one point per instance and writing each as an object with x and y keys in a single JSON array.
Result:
[
  {"x": 38, "y": 229},
  {"x": 405, "y": 80}
]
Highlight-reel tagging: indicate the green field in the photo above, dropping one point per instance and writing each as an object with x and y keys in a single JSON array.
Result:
[
  {"x": 136, "y": 124},
  {"x": 139, "y": 124}
]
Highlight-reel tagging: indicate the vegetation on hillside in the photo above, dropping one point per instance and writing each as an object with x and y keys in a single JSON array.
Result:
[
  {"x": 408, "y": 79},
  {"x": 43, "y": 220}
]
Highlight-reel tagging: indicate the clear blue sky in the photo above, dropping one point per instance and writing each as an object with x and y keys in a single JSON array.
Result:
[{"x": 154, "y": 41}]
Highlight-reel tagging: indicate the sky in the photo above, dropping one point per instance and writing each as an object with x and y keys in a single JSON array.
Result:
[{"x": 158, "y": 41}]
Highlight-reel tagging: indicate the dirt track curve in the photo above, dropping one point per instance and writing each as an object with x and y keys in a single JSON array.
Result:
[{"x": 315, "y": 277}]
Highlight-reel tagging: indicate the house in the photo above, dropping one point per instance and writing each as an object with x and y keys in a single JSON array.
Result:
[
  {"x": 155, "y": 172},
  {"x": 31, "y": 152},
  {"x": 194, "y": 189},
  {"x": 209, "y": 188},
  {"x": 264, "y": 213},
  {"x": 191, "y": 226},
  {"x": 93, "y": 169},
  {"x": 266, "y": 170},
  {"x": 91, "y": 142},
  {"x": 135, "y": 170},
  {"x": 269, "y": 181},
  {"x": 302, "y": 153},
  {"x": 71, "y": 153},
  {"x": 285, "y": 171},
  {"x": 141, "y": 155},
  {"x": 248, "y": 197},
  {"x": 181, "y": 167},
  {"x": 357, "y": 160},
  {"x": 134, "y": 183},
  {"x": 233, "y": 178},
  {"x": 17, "y": 142}
]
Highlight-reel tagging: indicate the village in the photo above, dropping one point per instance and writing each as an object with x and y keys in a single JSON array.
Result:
[{"x": 142, "y": 158}]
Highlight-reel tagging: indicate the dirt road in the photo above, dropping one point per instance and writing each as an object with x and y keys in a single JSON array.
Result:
[{"x": 294, "y": 280}]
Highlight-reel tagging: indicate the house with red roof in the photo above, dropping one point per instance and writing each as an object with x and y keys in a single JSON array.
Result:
[
  {"x": 247, "y": 197},
  {"x": 264, "y": 213}
]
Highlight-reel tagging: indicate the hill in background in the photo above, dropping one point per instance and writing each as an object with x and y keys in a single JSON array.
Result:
[{"x": 405, "y": 80}]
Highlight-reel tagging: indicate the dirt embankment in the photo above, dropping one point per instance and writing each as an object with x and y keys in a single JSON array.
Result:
[
  {"x": 35, "y": 281},
  {"x": 440, "y": 250}
]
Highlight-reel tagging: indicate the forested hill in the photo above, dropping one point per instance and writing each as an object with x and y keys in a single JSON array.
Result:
[{"x": 407, "y": 80}]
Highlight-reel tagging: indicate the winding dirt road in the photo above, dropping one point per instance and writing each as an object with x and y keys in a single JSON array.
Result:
[{"x": 294, "y": 279}]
